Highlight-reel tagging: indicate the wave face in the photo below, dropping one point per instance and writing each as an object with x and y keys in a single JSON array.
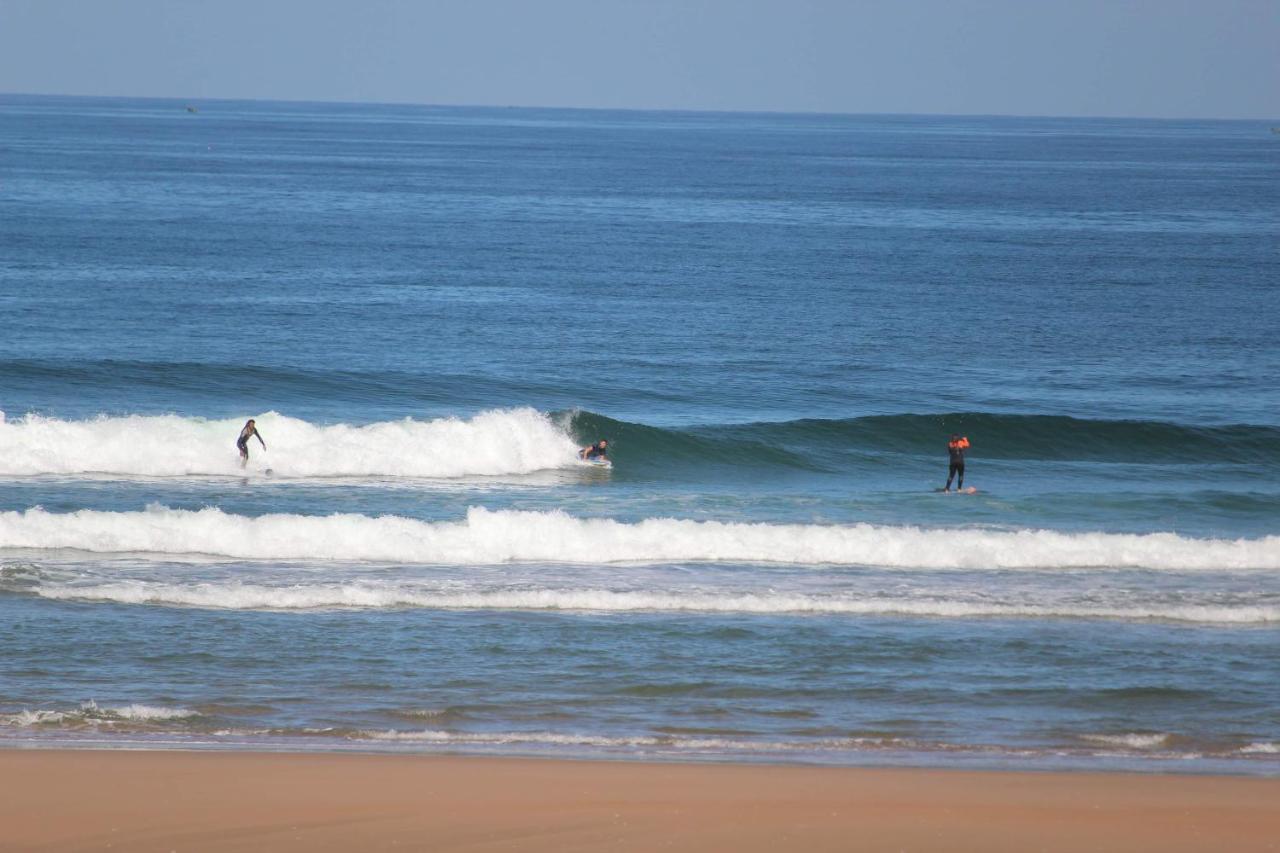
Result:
[
  {"x": 807, "y": 443},
  {"x": 510, "y": 441},
  {"x": 488, "y": 537},
  {"x": 520, "y": 441}
]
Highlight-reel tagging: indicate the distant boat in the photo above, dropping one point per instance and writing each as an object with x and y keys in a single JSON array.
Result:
[{"x": 192, "y": 109}]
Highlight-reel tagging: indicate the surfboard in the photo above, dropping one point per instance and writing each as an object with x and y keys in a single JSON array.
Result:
[
  {"x": 969, "y": 491},
  {"x": 599, "y": 463}
]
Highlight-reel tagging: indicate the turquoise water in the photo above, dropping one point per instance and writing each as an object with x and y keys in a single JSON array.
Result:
[{"x": 777, "y": 320}]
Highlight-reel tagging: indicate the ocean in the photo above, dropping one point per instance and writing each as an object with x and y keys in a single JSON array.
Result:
[{"x": 776, "y": 320}]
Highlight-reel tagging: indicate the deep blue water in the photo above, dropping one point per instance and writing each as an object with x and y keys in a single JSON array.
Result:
[{"x": 776, "y": 319}]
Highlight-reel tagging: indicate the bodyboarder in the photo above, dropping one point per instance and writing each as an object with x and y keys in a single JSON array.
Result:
[{"x": 599, "y": 450}]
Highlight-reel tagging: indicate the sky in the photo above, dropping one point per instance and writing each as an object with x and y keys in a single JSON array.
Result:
[{"x": 1140, "y": 58}]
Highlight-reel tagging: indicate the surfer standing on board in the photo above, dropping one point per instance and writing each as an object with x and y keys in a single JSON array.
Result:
[
  {"x": 956, "y": 447},
  {"x": 250, "y": 431},
  {"x": 599, "y": 450}
]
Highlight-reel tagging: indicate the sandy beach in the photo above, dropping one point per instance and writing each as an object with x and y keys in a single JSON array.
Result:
[{"x": 96, "y": 800}]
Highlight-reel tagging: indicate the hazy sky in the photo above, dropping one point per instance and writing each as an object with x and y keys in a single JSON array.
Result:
[{"x": 1182, "y": 58}]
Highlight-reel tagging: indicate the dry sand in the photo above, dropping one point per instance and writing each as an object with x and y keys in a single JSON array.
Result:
[{"x": 197, "y": 801}]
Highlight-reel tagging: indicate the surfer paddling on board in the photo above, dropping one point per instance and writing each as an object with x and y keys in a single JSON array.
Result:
[
  {"x": 956, "y": 447},
  {"x": 242, "y": 443},
  {"x": 599, "y": 450}
]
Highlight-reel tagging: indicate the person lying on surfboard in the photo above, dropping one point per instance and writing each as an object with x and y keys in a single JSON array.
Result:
[
  {"x": 599, "y": 450},
  {"x": 956, "y": 447},
  {"x": 242, "y": 442}
]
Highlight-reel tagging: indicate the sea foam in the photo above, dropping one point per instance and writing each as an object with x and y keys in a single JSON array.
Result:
[
  {"x": 236, "y": 595},
  {"x": 1130, "y": 740},
  {"x": 507, "y": 441},
  {"x": 90, "y": 713},
  {"x": 493, "y": 537}
]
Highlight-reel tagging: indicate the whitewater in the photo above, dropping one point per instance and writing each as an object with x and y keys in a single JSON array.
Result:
[
  {"x": 315, "y": 594},
  {"x": 501, "y": 536},
  {"x": 508, "y": 441}
]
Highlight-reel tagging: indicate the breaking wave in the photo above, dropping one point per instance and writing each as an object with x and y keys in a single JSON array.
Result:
[
  {"x": 492, "y": 537},
  {"x": 235, "y": 595},
  {"x": 523, "y": 440},
  {"x": 507, "y": 441},
  {"x": 1132, "y": 740},
  {"x": 91, "y": 714},
  {"x": 802, "y": 443}
]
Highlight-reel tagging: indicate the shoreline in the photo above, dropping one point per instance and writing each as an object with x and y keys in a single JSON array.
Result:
[
  {"x": 63, "y": 799},
  {"x": 976, "y": 760},
  {"x": 1239, "y": 763}
]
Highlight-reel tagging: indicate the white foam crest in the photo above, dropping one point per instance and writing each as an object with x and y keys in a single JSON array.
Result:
[
  {"x": 1261, "y": 748},
  {"x": 662, "y": 742},
  {"x": 494, "y": 537},
  {"x": 556, "y": 739},
  {"x": 509, "y": 441},
  {"x": 150, "y": 712},
  {"x": 91, "y": 713},
  {"x": 236, "y": 595},
  {"x": 34, "y": 718},
  {"x": 1132, "y": 740}
]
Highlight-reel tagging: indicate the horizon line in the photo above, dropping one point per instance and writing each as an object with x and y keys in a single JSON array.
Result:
[{"x": 687, "y": 110}]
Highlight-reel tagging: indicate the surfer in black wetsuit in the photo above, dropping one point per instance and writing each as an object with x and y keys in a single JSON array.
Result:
[
  {"x": 956, "y": 447},
  {"x": 249, "y": 431},
  {"x": 599, "y": 450}
]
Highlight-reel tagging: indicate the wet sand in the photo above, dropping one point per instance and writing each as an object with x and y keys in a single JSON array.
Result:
[{"x": 241, "y": 801}]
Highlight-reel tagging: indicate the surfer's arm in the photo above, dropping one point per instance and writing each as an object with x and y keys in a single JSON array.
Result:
[{"x": 260, "y": 441}]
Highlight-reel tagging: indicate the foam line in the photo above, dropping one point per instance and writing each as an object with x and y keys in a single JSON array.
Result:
[
  {"x": 90, "y": 713},
  {"x": 493, "y": 537},
  {"x": 233, "y": 595}
]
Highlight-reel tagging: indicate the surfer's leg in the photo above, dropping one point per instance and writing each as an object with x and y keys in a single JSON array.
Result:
[
  {"x": 951, "y": 472},
  {"x": 960, "y": 482}
]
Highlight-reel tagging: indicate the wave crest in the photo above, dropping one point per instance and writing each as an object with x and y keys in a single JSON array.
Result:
[
  {"x": 809, "y": 443},
  {"x": 91, "y": 714},
  {"x": 234, "y": 595},
  {"x": 492, "y": 537},
  {"x": 508, "y": 441}
]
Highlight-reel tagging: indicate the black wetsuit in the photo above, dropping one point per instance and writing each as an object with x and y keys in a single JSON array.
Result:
[
  {"x": 957, "y": 464},
  {"x": 243, "y": 441},
  {"x": 596, "y": 450}
]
